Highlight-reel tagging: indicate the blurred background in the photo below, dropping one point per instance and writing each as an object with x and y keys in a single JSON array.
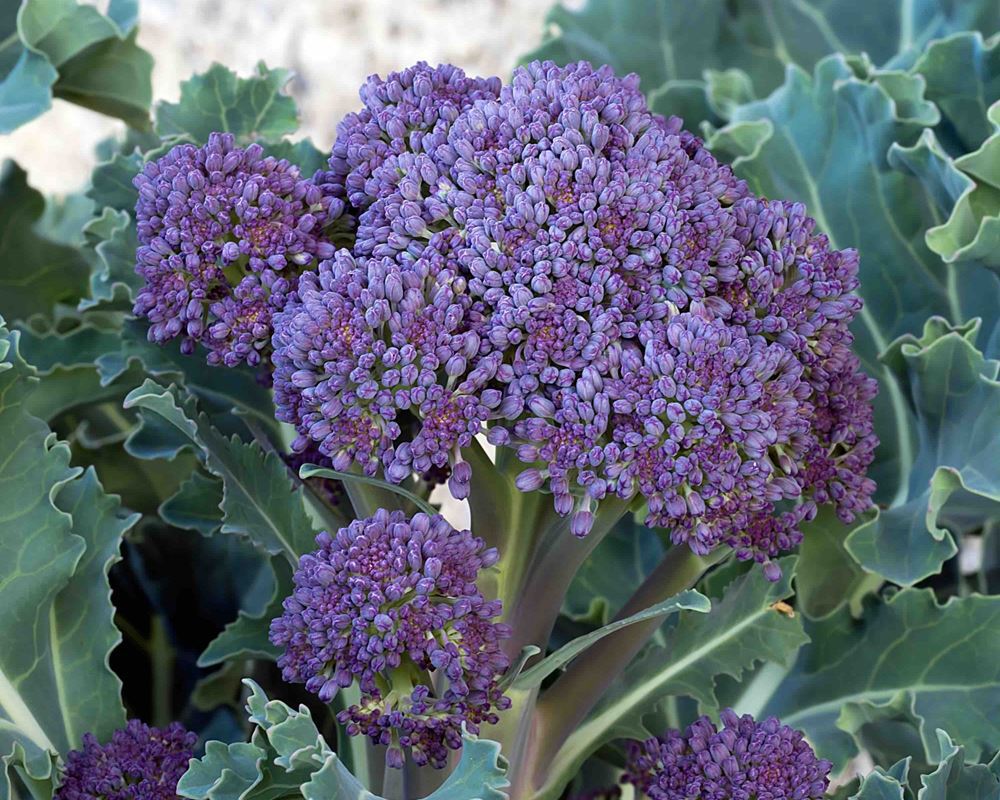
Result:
[{"x": 332, "y": 45}]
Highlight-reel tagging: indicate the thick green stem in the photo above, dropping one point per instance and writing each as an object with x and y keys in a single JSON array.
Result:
[
  {"x": 554, "y": 562},
  {"x": 568, "y": 701}
]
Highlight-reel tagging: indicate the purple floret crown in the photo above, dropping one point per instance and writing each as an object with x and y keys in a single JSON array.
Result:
[
  {"x": 224, "y": 233},
  {"x": 139, "y": 763},
  {"x": 742, "y": 759},
  {"x": 552, "y": 265},
  {"x": 383, "y": 603}
]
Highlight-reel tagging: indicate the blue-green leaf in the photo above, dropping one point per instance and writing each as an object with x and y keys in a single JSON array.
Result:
[
  {"x": 58, "y": 538},
  {"x": 690, "y": 600},
  {"x": 219, "y": 100},
  {"x": 955, "y": 398},
  {"x": 942, "y": 658},
  {"x": 98, "y": 62},
  {"x": 35, "y": 272},
  {"x": 26, "y": 88},
  {"x": 675, "y": 47},
  {"x": 259, "y": 501}
]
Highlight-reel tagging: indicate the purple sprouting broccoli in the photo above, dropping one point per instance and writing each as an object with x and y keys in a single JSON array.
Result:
[
  {"x": 224, "y": 233},
  {"x": 382, "y": 603},
  {"x": 409, "y": 112},
  {"x": 557, "y": 267},
  {"x": 745, "y": 759},
  {"x": 139, "y": 763}
]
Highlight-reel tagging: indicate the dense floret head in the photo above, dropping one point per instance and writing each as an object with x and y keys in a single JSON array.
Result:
[
  {"x": 579, "y": 279},
  {"x": 224, "y": 233},
  {"x": 139, "y": 763},
  {"x": 384, "y": 603},
  {"x": 406, "y": 112},
  {"x": 744, "y": 760}
]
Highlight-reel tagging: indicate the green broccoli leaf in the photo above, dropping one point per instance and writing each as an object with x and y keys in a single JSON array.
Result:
[
  {"x": 58, "y": 538},
  {"x": 829, "y": 577},
  {"x": 287, "y": 757},
  {"x": 955, "y": 479},
  {"x": 742, "y": 628},
  {"x": 247, "y": 635},
  {"x": 98, "y": 63},
  {"x": 114, "y": 240},
  {"x": 219, "y": 100},
  {"x": 259, "y": 500},
  {"x": 196, "y": 506},
  {"x": 963, "y": 79},
  {"x": 111, "y": 183},
  {"x": 36, "y": 273},
  {"x": 26, "y": 77},
  {"x": 680, "y": 49},
  {"x": 942, "y": 661}
]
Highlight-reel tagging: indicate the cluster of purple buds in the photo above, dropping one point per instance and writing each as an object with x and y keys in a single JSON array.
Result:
[
  {"x": 745, "y": 760},
  {"x": 139, "y": 763},
  {"x": 391, "y": 603},
  {"x": 224, "y": 233},
  {"x": 552, "y": 265}
]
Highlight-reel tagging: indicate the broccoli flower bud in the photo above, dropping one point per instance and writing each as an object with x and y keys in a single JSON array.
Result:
[
  {"x": 578, "y": 278},
  {"x": 384, "y": 603},
  {"x": 744, "y": 759},
  {"x": 224, "y": 234},
  {"x": 139, "y": 763}
]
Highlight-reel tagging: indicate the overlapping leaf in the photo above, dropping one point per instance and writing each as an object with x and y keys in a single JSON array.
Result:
[
  {"x": 55, "y": 683},
  {"x": 219, "y": 100},
  {"x": 35, "y": 272},
  {"x": 259, "y": 501},
  {"x": 287, "y": 757},
  {"x": 72, "y": 51},
  {"x": 742, "y": 629},
  {"x": 952, "y": 779},
  {"x": 942, "y": 661},
  {"x": 955, "y": 478},
  {"x": 688, "y": 54}
]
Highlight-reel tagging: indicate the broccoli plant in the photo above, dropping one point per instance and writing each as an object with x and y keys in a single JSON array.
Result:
[{"x": 622, "y": 427}]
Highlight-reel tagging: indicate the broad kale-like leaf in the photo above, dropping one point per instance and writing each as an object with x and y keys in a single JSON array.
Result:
[
  {"x": 259, "y": 501},
  {"x": 35, "y": 272},
  {"x": 26, "y": 77},
  {"x": 683, "y": 50},
  {"x": 741, "y": 629},
  {"x": 247, "y": 635},
  {"x": 689, "y": 600},
  {"x": 952, "y": 779},
  {"x": 829, "y": 577},
  {"x": 111, "y": 182},
  {"x": 955, "y": 478},
  {"x": 287, "y": 757},
  {"x": 837, "y": 142},
  {"x": 962, "y": 73},
  {"x": 58, "y": 537},
  {"x": 219, "y": 100},
  {"x": 943, "y": 661},
  {"x": 97, "y": 62},
  {"x": 196, "y": 506},
  {"x": 972, "y": 231},
  {"x": 114, "y": 242}
]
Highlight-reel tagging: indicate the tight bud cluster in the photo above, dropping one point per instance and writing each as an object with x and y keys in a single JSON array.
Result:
[
  {"x": 745, "y": 760},
  {"x": 139, "y": 763},
  {"x": 552, "y": 264},
  {"x": 385, "y": 603},
  {"x": 224, "y": 233}
]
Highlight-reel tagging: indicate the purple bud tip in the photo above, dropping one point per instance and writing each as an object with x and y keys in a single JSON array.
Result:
[
  {"x": 705, "y": 761},
  {"x": 138, "y": 763}
]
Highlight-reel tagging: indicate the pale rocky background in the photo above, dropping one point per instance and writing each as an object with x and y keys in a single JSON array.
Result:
[{"x": 332, "y": 45}]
